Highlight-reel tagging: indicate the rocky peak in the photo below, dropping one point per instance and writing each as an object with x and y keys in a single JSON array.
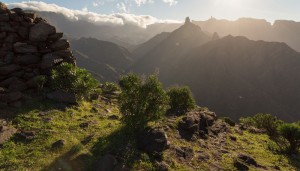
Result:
[
  {"x": 215, "y": 36},
  {"x": 187, "y": 20}
]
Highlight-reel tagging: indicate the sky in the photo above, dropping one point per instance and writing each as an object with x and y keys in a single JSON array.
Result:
[{"x": 178, "y": 9}]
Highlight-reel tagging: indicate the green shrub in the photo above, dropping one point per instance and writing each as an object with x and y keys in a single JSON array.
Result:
[
  {"x": 141, "y": 101},
  {"x": 228, "y": 121},
  {"x": 291, "y": 132},
  {"x": 181, "y": 99},
  {"x": 109, "y": 87},
  {"x": 266, "y": 122},
  {"x": 72, "y": 79},
  {"x": 41, "y": 81}
]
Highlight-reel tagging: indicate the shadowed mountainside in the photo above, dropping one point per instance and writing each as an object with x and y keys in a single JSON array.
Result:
[
  {"x": 105, "y": 60},
  {"x": 234, "y": 76},
  {"x": 172, "y": 48}
]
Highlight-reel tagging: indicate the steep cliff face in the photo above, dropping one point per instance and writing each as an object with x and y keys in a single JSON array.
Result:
[{"x": 29, "y": 48}]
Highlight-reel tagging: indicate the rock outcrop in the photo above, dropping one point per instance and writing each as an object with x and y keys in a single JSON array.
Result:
[
  {"x": 201, "y": 123},
  {"x": 6, "y": 131},
  {"x": 153, "y": 140},
  {"x": 29, "y": 48}
]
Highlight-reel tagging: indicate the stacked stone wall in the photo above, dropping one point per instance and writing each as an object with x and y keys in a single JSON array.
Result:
[{"x": 29, "y": 48}]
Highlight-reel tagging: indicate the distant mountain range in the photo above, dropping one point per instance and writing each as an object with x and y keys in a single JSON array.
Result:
[
  {"x": 130, "y": 36},
  {"x": 256, "y": 29},
  {"x": 125, "y": 35},
  {"x": 234, "y": 76},
  {"x": 230, "y": 74}
]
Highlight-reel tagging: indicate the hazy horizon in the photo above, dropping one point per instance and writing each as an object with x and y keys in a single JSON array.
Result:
[{"x": 147, "y": 12}]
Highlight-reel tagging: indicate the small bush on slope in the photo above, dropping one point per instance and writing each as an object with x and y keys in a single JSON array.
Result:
[
  {"x": 290, "y": 132},
  {"x": 72, "y": 79},
  {"x": 110, "y": 87},
  {"x": 141, "y": 101},
  {"x": 181, "y": 99},
  {"x": 267, "y": 122}
]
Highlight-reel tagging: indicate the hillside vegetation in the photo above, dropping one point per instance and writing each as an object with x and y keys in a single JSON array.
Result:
[{"x": 93, "y": 135}]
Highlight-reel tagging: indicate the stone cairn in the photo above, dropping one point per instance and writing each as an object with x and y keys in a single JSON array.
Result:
[{"x": 29, "y": 48}]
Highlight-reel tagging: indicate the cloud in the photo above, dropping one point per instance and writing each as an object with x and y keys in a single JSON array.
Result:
[
  {"x": 96, "y": 18},
  {"x": 141, "y": 2},
  {"x": 95, "y": 4},
  {"x": 170, "y": 2}
]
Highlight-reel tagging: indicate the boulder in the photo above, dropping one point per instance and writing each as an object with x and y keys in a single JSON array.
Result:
[
  {"x": 6, "y": 82},
  {"x": 33, "y": 82},
  {"x": 240, "y": 166},
  {"x": 30, "y": 14},
  {"x": 49, "y": 60},
  {"x": 14, "y": 96},
  {"x": 63, "y": 54},
  {"x": 219, "y": 127},
  {"x": 40, "y": 32},
  {"x": 24, "y": 48},
  {"x": 17, "y": 85},
  {"x": 113, "y": 117},
  {"x": 153, "y": 140},
  {"x": 162, "y": 166},
  {"x": 6, "y": 131},
  {"x": 4, "y": 17},
  {"x": 26, "y": 135},
  {"x": 62, "y": 44},
  {"x": 184, "y": 152},
  {"x": 55, "y": 37},
  {"x": 196, "y": 124},
  {"x": 247, "y": 159},
  {"x": 8, "y": 59},
  {"x": 106, "y": 163},
  {"x": 2, "y": 35},
  {"x": 58, "y": 144},
  {"x": 8, "y": 69},
  {"x": 23, "y": 32},
  {"x": 62, "y": 96},
  {"x": 16, "y": 104},
  {"x": 2, "y": 90},
  {"x": 203, "y": 157},
  {"x": 27, "y": 59}
]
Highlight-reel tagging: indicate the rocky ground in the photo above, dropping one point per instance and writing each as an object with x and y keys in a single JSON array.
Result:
[{"x": 45, "y": 135}]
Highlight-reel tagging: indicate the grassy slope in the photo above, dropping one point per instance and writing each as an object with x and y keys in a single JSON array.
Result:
[{"x": 107, "y": 136}]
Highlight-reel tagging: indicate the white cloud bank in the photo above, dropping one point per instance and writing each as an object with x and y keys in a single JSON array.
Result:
[{"x": 96, "y": 18}]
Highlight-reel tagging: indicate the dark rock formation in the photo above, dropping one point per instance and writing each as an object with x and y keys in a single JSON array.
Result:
[
  {"x": 108, "y": 162},
  {"x": 196, "y": 124},
  {"x": 6, "y": 131},
  {"x": 247, "y": 159},
  {"x": 153, "y": 140},
  {"x": 29, "y": 47},
  {"x": 58, "y": 144}
]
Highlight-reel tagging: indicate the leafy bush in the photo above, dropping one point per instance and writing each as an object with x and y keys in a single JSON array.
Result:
[
  {"x": 41, "y": 81},
  {"x": 72, "y": 79},
  {"x": 181, "y": 99},
  {"x": 228, "y": 121},
  {"x": 109, "y": 87},
  {"x": 141, "y": 101},
  {"x": 291, "y": 132},
  {"x": 263, "y": 121}
]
